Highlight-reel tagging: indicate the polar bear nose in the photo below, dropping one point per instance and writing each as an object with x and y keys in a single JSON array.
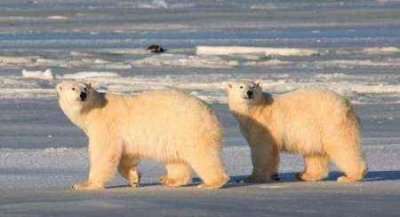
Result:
[
  {"x": 83, "y": 96},
  {"x": 249, "y": 93}
]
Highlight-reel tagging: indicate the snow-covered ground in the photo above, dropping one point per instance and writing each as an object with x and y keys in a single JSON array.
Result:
[
  {"x": 38, "y": 186},
  {"x": 350, "y": 47}
]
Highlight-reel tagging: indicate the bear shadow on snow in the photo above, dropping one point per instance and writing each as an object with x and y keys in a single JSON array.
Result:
[
  {"x": 234, "y": 182},
  {"x": 372, "y": 176}
]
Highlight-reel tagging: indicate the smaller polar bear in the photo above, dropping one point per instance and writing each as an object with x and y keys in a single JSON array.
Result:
[
  {"x": 318, "y": 124},
  {"x": 168, "y": 126}
]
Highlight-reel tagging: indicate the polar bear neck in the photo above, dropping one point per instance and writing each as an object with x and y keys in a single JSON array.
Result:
[
  {"x": 73, "y": 113},
  {"x": 78, "y": 113},
  {"x": 250, "y": 112},
  {"x": 245, "y": 112}
]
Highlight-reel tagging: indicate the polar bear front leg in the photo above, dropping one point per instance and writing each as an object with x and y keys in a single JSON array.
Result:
[
  {"x": 104, "y": 154},
  {"x": 265, "y": 159},
  {"x": 128, "y": 169}
]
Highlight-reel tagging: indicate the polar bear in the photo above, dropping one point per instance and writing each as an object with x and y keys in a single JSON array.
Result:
[
  {"x": 316, "y": 123},
  {"x": 168, "y": 126}
]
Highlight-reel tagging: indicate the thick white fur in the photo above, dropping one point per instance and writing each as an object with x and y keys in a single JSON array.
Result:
[
  {"x": 316, "y": 123},
  {"x": 168, "y": 126}
]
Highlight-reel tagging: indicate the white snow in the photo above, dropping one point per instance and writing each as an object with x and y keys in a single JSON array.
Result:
[
  {"x": 84, "y": 61},
  {"x": 273, "y": 62},
  {"x": 381, "y": 50},
  {"x": 114, "y": 66},
  {"x": 152, "y": 4},
  {"x": 232, "y": 50},
  {"x": 27, "y": 93},
  {"x": 178, "y": 60},
  {"x": 156, "y": 4},
  {"x": 13, "y": 60},
  {"x": 44, "y": 75},
  {"x": 81, "y": 54},
  {"x": 363, "y": 63},
  {"x": 86, "y": 75},
  {"x": 57, "y": 17}
]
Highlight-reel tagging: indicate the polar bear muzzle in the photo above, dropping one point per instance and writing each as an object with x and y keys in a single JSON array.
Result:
[
  {"x": 83, "y": 96},
  {"x": 250, "y": 94}
]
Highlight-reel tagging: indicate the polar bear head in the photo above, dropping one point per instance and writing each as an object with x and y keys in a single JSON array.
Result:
[
  {"x": 74, "y": 93},
  {"x": 77, "y": 98},
  {"x": 244, "y": 94}
]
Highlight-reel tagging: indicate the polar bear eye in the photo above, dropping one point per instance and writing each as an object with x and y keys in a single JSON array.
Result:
[
  {"x": 241, "y": 87},
  {"x": 73, "y": 88},
  {"x": 85, "y": 89}
]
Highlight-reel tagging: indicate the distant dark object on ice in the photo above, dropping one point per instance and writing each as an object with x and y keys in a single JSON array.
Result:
[{"x": 155, "y": 48}]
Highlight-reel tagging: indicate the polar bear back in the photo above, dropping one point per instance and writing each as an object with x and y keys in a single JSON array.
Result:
[
  {"x": 167, "y": 124},
  {"x": 307, "y": 118}
]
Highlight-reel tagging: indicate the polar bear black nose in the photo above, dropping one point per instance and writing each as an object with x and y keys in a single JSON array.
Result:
[
  {"x": 83, "y": 96},
  {"x": 249, "y": 93}
]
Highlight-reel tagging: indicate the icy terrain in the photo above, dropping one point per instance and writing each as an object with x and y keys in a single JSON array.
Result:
[{"x": 352, "y": 47}]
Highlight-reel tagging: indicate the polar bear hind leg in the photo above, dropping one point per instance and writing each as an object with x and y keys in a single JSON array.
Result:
[
  {"x": 178, "y": 174},
  {"x": 345, "y": 151},
  {"x": 349, "y": 160},
  {"x": 209, "y": 167}
]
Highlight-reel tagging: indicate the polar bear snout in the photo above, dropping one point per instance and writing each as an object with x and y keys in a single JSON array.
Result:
[
  {"x": 83, "y": 96},
  {"x": 250, "y": 94}
]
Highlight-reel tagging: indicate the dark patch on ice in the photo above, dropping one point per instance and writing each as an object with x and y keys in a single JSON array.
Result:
[{"x": 155, "y": 48}]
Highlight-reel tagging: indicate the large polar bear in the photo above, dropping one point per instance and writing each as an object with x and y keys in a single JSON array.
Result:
[
  {"x": 168, "y": 126},
  {"x": 318, "y": 124}
]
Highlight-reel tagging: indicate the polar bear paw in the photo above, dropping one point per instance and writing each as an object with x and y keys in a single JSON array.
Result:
[
  {"x": 308, "y": 177},
  {"x": 208, "y": 187},
  {"x": 345, "y": 179},
  {"x": 86, "y": 186},
  {"x": 171, "y": 182},
  {"x": 216, "y": 184},
  {"x": 211, "y": 186},
  {"x": 134, "y": 184},
  {"x": 134, "y": 179}
]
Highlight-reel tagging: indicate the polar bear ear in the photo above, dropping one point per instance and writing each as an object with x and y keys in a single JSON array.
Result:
[
  {"x": 258, "y": 83},
  {"x": 59, "y": 87},
  {"x": 91, "y": 84},
  {"x": 229, "y": 85}
]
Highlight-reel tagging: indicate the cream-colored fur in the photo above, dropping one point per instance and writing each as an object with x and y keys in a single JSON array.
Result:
[
  {"x": 316, "y": 123},
  {"x": 168, "y": 126}
]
